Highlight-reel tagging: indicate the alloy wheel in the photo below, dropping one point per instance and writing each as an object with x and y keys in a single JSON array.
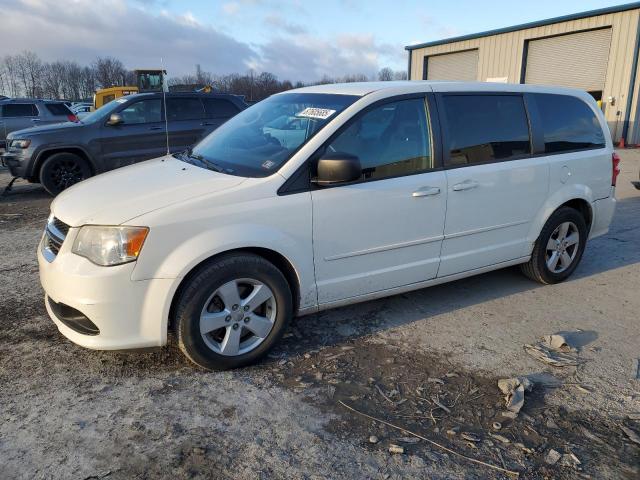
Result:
[
  {"x": 562, "y": 247},
  {"x": 238, "y": 316}
]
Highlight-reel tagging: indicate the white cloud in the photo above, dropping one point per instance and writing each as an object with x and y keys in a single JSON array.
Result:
[
  {"x": 231, "y": 8},
  {"x": 141, "y": 33}
]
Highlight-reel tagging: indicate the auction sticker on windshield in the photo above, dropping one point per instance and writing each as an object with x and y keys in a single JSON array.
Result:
[{"x": 319, "y": 113}]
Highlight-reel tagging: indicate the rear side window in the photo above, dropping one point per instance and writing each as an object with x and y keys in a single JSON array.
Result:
[
  {"x": 58, "y": 109},
  {"x": 485, "y": 128},
  {"x": 219, "y": 108},
  {"x": 184, "y": 108},
  {"x": 19, "y": 110},
  {"x": 568, "y": 124}
]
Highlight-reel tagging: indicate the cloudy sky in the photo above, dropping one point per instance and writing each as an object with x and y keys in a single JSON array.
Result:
[{"x": 295, "y": 39}]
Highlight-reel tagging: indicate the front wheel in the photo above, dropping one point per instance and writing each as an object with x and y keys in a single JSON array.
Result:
[
  {"x": 559, "y": 248},
  {"x": 61, "y": 170},
  {"x": 232, "y": 312}
]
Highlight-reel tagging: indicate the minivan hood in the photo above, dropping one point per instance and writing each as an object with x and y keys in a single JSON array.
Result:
[
  {"x": 120, "y": 195},
  {"x": 49, "y": 128}
]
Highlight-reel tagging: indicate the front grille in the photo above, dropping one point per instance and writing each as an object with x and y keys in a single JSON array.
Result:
[
  {"x": 54, "y": 235},
  {"x": 61, "y": 226}
]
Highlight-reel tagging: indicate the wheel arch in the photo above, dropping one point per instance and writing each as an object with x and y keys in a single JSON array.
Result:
[
  {"x": 281, "y": 262},
  {"x": 45, "y": 154},
  {"x": 577, "y": 197}
]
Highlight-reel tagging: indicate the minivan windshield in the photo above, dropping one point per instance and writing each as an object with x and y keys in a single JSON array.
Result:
[{"x": 257, "y": 141}]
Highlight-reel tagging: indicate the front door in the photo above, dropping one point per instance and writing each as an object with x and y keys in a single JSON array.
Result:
[
  {"x": 140, "y": 136},
  {"x": 496, "y": 187},
  {"x": 386, "y": 230}
]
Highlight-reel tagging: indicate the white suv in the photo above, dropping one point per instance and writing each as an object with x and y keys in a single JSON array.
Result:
[{"x": 326, "y": 196}]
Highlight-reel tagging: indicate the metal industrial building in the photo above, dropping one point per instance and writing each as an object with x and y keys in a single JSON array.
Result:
[{"x": 596, "y": 51}]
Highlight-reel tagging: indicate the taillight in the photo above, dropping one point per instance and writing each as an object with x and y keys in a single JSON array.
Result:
[
  {"x": 615, "y": 163},
  {"x": 72, "y": 118}
]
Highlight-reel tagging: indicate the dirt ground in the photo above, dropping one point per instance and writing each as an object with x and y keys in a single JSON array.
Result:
[{"x": 71, "y": 413}]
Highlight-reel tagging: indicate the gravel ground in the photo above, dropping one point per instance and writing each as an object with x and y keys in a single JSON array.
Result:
[{"x": 77, "y": 414}]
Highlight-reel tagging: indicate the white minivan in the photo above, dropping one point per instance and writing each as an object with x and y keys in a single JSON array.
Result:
[{"x": 325, "y": 196}]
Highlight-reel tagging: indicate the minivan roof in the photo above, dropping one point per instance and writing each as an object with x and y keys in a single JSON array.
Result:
[{"x": 413, "y": 86}]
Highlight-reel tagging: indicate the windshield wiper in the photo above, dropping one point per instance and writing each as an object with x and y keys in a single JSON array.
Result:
[{"x": 207, "y": 163}]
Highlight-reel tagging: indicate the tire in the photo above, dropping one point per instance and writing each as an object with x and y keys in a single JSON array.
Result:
[
  {"x": 209, "y": 294},
  {"x": 61, "y": 170},
  {"x": 538, "y": 268}
]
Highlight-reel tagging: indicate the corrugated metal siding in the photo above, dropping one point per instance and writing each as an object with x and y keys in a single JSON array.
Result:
[
  {"x": 501, "y": 56},
  {"x": 461, "y": 66},
  {"x": 577, "y": 60}
]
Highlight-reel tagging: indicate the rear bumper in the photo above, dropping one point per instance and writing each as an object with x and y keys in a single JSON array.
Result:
[{"x": 603, "y": 211}]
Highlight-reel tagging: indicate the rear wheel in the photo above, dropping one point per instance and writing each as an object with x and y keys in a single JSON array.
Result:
[
  {"x": 62, "y": 170},
  {"x": 558, "y": 250},
  {"x": 232, "y": 312}
]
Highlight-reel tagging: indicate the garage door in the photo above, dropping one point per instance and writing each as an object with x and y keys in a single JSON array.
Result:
[
  {"x": 461, "y": 66},
  {"x": 576, "y": 60}
]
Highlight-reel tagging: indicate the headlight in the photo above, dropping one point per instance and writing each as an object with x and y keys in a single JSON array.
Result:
[
  {"x": 24, "y": 143},
  {"x": 109, "y": 246}
]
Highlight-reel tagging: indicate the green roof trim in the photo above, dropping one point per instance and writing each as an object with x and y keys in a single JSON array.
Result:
[{"x": 523, "y": 26}]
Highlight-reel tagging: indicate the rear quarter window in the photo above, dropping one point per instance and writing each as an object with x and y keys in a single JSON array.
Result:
[
  {"x": 568, "y": 124},
  {"x": 58, "y": 109}
]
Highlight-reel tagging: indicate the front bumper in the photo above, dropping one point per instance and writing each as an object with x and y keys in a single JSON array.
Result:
[
  {"x": 128, "y": 314},
  {"x": 17, "y": 162}
]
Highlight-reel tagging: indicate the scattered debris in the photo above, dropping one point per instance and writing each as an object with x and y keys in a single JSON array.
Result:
[
  {"x": 410, "y": 440},
  {"x": 436, "y": 444},
  {"x": 570, "y": 460},
  {"x": 435, "y": 380},
  {"x": 558, "y": 342},
  {"x": 513, "y": 389},
  {"x": 396, "y": 449},
  {"x": 373, "y": 439},
  {"x": 511, "y": 415},
  {"x": 633, "y": 436},
  {"x": 496, "y": 425},
  {"x": 451, "y": 375},
  {"x": 554, "y": 350},
  {"x": 638, "y": 369},
  {"x": 634, "y": 416},
  {"x": 437, "y": 402},
  {"x": 472, "y": 437},
  {"x": 500, "y": 438},
  {"x": 552, "y": 457},
  {"x": 453, "y": 431}
]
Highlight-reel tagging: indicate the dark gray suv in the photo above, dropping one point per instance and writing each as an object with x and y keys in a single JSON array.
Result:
[
  {"x": 127, "y": 130},
  {"x": 20, "y": 113}
]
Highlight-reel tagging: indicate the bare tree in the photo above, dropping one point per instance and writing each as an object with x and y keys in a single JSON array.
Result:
[
  {"x": 385, "y": 74},
  {"x": 109, "y": 72},
  {"x": 400, "y": 75}
]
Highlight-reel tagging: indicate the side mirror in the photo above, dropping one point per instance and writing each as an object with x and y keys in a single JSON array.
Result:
[
  {"x": 114, "y": 119},
  {"x": 334, "y": 168}
]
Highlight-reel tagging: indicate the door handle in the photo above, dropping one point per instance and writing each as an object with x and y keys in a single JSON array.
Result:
[
  {"x": 426, "y": 192},
  {"x": 36, "y": 120},
  {"x": 156, "y": 128},
  {"x": 206, "y": 124},
  {"x": 466, "y": 185}
]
